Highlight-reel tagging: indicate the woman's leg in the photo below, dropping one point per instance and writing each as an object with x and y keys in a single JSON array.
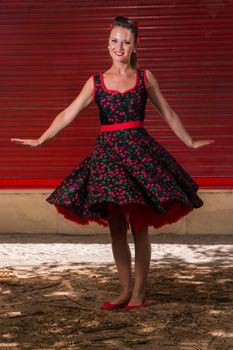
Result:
[
  {"x": 142, "y": 264},
  {"x": 122, "y": 254}
]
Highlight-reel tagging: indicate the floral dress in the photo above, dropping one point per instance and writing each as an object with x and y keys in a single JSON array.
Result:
[{"x": 127, "y": 168}]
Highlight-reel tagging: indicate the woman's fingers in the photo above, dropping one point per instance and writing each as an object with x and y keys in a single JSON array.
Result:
[
  {"x": 33, "y": 143},
  {"x": 18, "y": 140},
  {"x": 211, "y": 141},
  {"x": 202, "y": 143}
]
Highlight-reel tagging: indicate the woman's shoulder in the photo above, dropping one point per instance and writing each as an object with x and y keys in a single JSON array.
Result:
[
  {"x": 149, "y": 78},
  {"x": 146, "y": 71},
  {"x": 149, "y": 75}
]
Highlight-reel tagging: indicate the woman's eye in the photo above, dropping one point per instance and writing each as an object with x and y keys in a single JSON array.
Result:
[{"x": 127, "y": 42}]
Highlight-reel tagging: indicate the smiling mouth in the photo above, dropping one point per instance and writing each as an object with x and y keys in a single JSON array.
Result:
[{"x": 119, "y": 53}]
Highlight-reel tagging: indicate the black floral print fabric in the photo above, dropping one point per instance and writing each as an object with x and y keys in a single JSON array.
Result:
[{"x": 127, "y": 169}]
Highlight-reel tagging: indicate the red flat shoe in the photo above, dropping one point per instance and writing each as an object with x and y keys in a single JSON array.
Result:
[
  {"x": 110, "y": 306},
  {"x": 142, "y": 306}
]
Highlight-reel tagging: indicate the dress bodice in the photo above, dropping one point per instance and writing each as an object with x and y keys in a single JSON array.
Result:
[{"x": 118, "y": 107}]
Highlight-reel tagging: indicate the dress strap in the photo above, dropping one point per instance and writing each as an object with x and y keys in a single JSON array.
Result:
[
  {"x": 145, "y": 80},
  {"x": 96, "y": 83}
]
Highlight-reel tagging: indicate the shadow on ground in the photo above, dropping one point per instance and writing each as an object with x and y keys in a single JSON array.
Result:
[{"x": 57, "y": 307}]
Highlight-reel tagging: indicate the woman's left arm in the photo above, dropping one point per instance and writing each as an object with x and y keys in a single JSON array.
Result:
[{"x": 171, "y": 118}]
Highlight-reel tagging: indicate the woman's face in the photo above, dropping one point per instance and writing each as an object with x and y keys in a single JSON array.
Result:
[{"x": 121, "y": 44}]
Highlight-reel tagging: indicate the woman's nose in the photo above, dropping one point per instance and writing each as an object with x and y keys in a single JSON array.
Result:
[{"x": 120, "y": 45}]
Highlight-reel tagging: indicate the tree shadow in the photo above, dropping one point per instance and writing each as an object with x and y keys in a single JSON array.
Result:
[{"x": 57, "y": 307}]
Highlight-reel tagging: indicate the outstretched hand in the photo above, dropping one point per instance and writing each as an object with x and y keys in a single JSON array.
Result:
[
  {"x": 201, "y": 143},
  {"x": 32, "y": 143}
]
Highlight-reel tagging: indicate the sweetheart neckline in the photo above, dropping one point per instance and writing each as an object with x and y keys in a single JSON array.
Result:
[{"x": 117, "y": 91}]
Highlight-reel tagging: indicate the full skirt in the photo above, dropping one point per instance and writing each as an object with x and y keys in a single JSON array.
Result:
[{"x": 130, "y": 170}]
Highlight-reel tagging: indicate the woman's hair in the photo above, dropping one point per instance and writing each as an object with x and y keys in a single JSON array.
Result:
[{"x": 129, "y": 24}]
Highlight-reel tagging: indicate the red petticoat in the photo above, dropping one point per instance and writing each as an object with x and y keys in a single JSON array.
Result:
[{"x": 141, "y": 216}]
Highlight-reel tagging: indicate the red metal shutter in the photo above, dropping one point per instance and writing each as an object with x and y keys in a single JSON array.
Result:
[{"x": 50, "y": 48}]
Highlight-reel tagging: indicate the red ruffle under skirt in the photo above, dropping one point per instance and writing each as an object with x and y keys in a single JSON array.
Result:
[{"x": 140, "y": 215}]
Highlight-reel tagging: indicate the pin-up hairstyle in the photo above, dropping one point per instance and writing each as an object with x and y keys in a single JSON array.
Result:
[{"x": 133, "y": 26}]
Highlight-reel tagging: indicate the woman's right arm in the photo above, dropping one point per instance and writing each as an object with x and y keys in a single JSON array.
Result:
[{"x": 82, "y": 101}]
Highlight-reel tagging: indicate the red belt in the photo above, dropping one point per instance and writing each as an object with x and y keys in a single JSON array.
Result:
[{"x": 119, "y": 126}]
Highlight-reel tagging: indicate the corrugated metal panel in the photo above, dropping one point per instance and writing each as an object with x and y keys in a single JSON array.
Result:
[{"x": 50, "y": 48}]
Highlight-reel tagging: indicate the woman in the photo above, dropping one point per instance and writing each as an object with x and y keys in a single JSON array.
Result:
[{"x": 129, "y": 177}]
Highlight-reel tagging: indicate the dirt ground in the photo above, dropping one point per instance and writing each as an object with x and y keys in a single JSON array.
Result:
[{"x": 57, "y": 307}]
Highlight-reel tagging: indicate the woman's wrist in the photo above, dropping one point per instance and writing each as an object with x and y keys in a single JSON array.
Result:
[
  {"x": 40, "y": 141},
  {"x": 190, "y": 143}
]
